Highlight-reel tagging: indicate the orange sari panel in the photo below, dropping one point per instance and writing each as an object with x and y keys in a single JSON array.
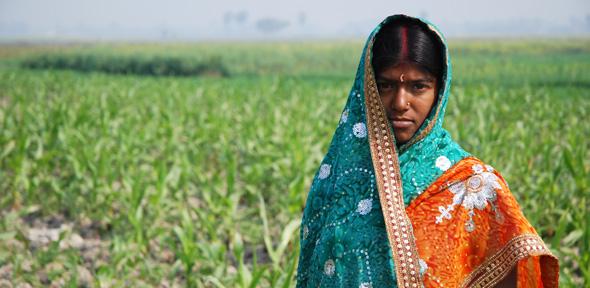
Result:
[{"x": 470, "y": 232}]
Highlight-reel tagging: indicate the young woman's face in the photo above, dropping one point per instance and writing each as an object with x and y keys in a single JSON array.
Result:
[{"x": 407, "y": 93}]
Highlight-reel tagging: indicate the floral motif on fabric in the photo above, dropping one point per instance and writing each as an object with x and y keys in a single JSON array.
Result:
[
  {"x": 344, "y": 117},
  {"x": 324, "y": 171},
  {"x": 473, "y": 193},
  {"x": 365, "y": 206},
  {"x": 443, "y": 163},
  {"x": 329, "y": 267},
  {"x": 359, "y": 130}
]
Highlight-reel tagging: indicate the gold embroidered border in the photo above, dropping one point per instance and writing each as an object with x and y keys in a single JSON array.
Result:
[
  {"x": 500, "y": 264},
  {"x": 387, "y": 172}
]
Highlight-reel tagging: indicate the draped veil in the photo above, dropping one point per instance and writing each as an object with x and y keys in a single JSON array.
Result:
[{"x": 426, "y": 213}]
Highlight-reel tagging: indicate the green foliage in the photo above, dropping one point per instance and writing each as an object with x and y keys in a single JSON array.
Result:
[
  {"x": 153, "y": 66},
  {"x": 200, "y": 181}
]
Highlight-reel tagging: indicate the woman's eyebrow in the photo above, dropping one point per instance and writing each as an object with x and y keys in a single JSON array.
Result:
[
  {"x": 419, "y": 80},
  {"x": 387, "y": 79}
]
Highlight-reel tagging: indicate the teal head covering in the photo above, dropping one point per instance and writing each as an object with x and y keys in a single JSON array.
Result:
[{"x": 344, "y": 239}]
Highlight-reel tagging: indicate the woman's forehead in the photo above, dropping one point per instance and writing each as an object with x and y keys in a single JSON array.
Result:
[{"x": 409, "y": 70}]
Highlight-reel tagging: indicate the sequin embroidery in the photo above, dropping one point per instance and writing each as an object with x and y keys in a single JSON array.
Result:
[
  {"x": 474, "y": 193},
  {"x": 359, "y": 130}
]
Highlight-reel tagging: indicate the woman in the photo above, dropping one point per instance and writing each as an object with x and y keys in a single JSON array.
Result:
[{"x": 397, "y": 203}]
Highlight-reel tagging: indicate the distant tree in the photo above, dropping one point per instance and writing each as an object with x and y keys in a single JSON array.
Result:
[
  {"x": 302, "y": 18},
  {"x": 271, "y": 25},
  {"x": 241, "y": 17}
]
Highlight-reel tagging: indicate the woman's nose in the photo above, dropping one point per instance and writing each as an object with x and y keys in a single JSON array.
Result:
[{"x": 400, "y": 100}]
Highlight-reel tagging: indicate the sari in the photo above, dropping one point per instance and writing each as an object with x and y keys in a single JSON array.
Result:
[{"x": 422, "y": 214}]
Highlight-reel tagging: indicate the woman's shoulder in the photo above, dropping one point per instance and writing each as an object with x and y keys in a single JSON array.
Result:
[
  {"x": 468, "y": 176},
  {"x": 474, "y": 188},
  {"x": 472, "y": 202},
  {"x": 473, "y": 165},
  {"x": 467, "y": 168}
]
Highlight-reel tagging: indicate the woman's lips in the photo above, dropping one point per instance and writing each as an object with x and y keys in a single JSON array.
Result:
[{"x": 401, "y": 123}]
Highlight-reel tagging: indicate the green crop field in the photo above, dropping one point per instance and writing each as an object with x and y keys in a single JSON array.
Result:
[{"x": 134, "y": 177}]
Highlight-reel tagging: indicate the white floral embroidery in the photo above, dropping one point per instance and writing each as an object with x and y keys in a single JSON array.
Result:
[
  {"x": 324, "y": 171},
  {"x": 344, "y": 116},
  {"x": 445, "y": 213},
  {"x": 477, "y": 168},
  {"x": 443, "y": 163},
  {"x": 489, "y": 168},
  {"x": 305, "y": 232},
  {"x": 359, "y": 130},
  {"x": 329, "y": 267},
  {"x": 423, "y": 266},
  {"x": 475, "y": 192},
  {"x": 365, "y": 285},
  {"x": 364, "y": 206}
]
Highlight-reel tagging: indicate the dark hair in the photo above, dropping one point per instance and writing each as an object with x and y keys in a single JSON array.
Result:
[{"x": 411, "y": 41}]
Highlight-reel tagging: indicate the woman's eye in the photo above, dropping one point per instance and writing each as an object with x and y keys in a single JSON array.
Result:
[
  {"x": 419, "y": 86},
  {"x": 385, "y": 86}
]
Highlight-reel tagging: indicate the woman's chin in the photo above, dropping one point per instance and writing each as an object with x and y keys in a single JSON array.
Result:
[{"x": 401, "y": 140}]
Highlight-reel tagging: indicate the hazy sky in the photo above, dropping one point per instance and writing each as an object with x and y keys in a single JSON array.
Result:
[{"x": 246, "y": 18}]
